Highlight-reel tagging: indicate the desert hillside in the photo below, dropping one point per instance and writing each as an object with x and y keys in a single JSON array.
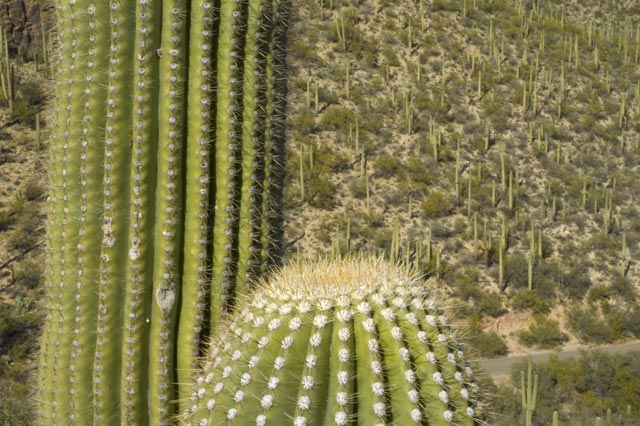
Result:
[{"x": 491, "y": 144}]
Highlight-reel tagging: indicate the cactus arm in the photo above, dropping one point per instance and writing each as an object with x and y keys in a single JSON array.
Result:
[
  {"x": 258, "y": 31},
  {"x": 198, "y": 156},
  {"x": 168, "y": 229},
  {"x": 137, "y": 297},
  {"x": 115, "y": 225}
]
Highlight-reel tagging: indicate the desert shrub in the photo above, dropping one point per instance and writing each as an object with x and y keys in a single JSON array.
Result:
[
  {"x": 303, "y": 123},
  {"x": 417, "y": 178},
  {"x": 387, "y": 165},
  {"x": 321, "y": 192},
  {"x": 546, "y": 278},
  {"x": 32, "y": 190},
  {"x": 6, "y": 219},
  {"x": 588, "y": 326},
  {"x": 358, "y": 187},
  {"x": 31, "y": 92},
  {"x": 26, "y": 233},
  {"x": 623, "y": 288},
  {"x": 525, "y": 299},
  {"x": 490, "y": 303},
  {"x": 28, "y": 274},
  {"x": 465, "y": 283},
  {"x": 487, "y": 344},
  {"x": 19, "y": 327},
  {"x": 26, "y": 106},
  {"x": 516, "y": 270},
  {"x": 576, "y": 282},
  {"x": 436, "y": 203},
  {"x": 25, "y": 112},
  {"x": 599, "y": 292},
  {"x": 631, "y": 321},
  {"x": 337, "y": 117},
  {"x": 544, "y": 333}
]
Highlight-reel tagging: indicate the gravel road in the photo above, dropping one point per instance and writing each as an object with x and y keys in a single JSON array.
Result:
[{"x": 500, "y": 368}]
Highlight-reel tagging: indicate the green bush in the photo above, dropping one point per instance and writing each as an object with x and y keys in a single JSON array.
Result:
[
  {"x": 576, "y": 281},
  {"x": 491, "y": 304},
  {"x": 436, "y": 203},
  {"x": 337, "y": 117},
  {"x": 525, "y": 299},
  {"x": 599, "y": 292},
  {"x": 358, "y": 187},
  {"x": 27, "y": 232},
  {"x": 25, "y": 112},
  {"x": 321, "y": 192},
  {"x": 32, "y": 190},
  {"x": 19, "y": 328},
  {"x": 303, "y": 123},
  {"x": 27, "y": 104},
  {"x": 6, "y": 219},
  {"x": 588, "y": 326},
  {"x": 544, "y": 333},
  {"x": 631, "y": 322},
  {"x": 623, "y": 288},
  {"x": 465, "y": 283},
  {"x": 487, "y": 344},
  {"x": 387, "y": 165}
]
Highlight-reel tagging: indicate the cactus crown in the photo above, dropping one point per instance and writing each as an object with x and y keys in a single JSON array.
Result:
[{"x": 336, "y": 342}]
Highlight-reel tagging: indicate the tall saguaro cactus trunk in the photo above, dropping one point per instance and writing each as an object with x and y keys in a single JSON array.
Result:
[{"x": 166, "y": 172}]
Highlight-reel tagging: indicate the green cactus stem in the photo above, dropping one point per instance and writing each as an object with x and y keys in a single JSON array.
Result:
[
  {"x": 528, "y": 393},
  {"x": 341, "y": 342},
  {"x": 165, "y": 195}
]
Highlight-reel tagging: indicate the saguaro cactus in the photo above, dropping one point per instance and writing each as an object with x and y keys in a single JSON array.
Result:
[
  {"x": 339, "y": 342},
  {"x": 165, "y": 194}
]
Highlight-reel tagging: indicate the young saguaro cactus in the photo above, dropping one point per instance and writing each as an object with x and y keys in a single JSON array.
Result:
[
  {"x": 165, "y": 189},
  {"x": 340, "y": 342}
]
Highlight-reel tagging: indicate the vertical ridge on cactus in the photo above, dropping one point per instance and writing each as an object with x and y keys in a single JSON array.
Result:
[
  {"x": 165, "y": 176},
  {"x": 340, "y": 342}
]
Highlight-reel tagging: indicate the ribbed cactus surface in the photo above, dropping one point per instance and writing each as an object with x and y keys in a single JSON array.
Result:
[
  {"x": 165, "y": 194},
  {"x": 336, "y": 343}
]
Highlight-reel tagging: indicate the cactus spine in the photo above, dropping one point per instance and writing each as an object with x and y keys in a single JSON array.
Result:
[
  {"x": 340, "y": 342},
  {"x": 165, "y": 195}
]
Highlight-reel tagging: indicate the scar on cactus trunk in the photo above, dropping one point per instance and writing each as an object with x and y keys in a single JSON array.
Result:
[
  {"x": 165, "y": 195},
  {"x": 341, "y": 342}
]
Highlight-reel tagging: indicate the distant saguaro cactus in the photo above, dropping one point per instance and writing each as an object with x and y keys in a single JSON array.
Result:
[
  {"x": 342, "y": 342},
  {"x": 165, "y": 189}
]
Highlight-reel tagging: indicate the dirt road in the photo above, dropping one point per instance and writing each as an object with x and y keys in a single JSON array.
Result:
[{"x": 500, "y": 368}]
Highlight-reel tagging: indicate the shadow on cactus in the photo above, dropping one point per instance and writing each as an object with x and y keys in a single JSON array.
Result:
[{"x": 336, "y": 342}]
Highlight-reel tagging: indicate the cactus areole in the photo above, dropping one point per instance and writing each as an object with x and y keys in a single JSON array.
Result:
[
  {"x": 339, "y": 343},
  {"x": 165, "y": 189}
]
